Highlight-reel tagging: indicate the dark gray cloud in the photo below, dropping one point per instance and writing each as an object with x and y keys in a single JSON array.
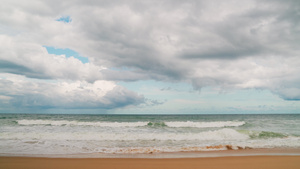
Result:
[
  {"x": 117, "y": 98},
  {"x": 121, "y": 97},
  {"x": 10, "y": 67}
]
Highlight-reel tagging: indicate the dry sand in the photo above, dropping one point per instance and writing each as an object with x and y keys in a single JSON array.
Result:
[{"x": 240, "y": 162}]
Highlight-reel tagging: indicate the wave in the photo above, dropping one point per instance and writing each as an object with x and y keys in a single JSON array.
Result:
[
  {"x": 157, "y": 124},
  {"x": 263, "y": 134},
  {"x": 205, "y": 124},
  {"x": 174, "y": 124},
  {"x": 78, "y": 123},
  {"x": 221, "y": 134}
]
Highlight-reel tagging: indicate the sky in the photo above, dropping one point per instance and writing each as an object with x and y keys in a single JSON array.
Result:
[{"x": 150, "y": 57}]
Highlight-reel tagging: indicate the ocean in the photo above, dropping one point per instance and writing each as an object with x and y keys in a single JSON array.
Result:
[{"x": 41, "y": 134}]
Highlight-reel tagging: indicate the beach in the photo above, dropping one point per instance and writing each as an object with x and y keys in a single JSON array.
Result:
[
  {"x": 239, "y": 162},
  {"x": 229, "y": 159},
  {"x": 162, "y": 141},
  {"x": 63, "y": 135},
  {"x": 149, "y": 84}
]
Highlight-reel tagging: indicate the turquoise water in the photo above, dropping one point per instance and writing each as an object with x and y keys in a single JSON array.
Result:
[{"x": 132, "y": 134}]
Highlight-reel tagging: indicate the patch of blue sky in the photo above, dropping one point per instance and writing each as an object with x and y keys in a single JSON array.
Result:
[
  {"x": 67, "y": 52},
  {"x": 65, "y": 19}
]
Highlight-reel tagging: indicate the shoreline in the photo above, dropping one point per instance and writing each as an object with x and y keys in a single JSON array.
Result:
[
  {"x": 171, "y": 155},
  {"x": 238, "y": 162}
]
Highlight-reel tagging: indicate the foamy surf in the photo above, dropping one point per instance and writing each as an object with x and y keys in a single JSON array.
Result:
[
  {"x": 134, "y": 124},
  {"x": 222, "y": 134},
  {"x": 74, "y": 134},
  {"x": 205, "y": 124},
  {"x": 77, "y": 123}
]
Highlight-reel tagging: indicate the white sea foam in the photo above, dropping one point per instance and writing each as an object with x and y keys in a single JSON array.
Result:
[
  {"x": 144, "y": 134},
  {"x": 205, "y": 124},
  {"x": 222, "y": 134},
  {"x": 75, "y": 147},
  {"x": 78, "y": 123},
  {"x": 133, "y": 124}
]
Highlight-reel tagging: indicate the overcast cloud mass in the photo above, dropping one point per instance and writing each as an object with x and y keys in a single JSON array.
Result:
[{"x": 228, "y": 45}]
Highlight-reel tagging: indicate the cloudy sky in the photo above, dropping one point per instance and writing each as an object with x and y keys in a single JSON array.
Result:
[{"x": 147, "y": 57}]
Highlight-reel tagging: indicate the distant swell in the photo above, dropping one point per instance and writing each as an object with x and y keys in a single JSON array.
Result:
[{"x": 175, "y": 124}]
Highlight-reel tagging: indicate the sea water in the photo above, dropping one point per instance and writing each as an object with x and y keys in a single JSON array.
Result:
[{"x": 32, "y": 134}]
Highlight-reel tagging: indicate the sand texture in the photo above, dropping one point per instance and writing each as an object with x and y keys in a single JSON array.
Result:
[{"x": 241, "y": 162}]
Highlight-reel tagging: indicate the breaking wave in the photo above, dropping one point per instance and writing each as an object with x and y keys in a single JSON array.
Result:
[
  {"x": 205, "y": 124},
  {"x": 174, "y": 124},
  {"x": 221, "y": 134},
  {"x": 263, "y": 134},
  {"x": 79, "y": 123}
]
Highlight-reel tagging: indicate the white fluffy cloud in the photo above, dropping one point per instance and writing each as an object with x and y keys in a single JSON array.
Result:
[
  {"x": 231, "y": 44},
  {"x": 19, "y": 91},
  {"x": 32, "y": 60}
]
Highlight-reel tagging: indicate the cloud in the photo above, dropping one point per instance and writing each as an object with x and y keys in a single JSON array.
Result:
[
  {"x": 150, "y": 102},
  {"x": 32, "y": 60},
  {"x": 288, "y": 93},
  {"x": 22, "y": 92},
  {"x": 228, "y": 45}
]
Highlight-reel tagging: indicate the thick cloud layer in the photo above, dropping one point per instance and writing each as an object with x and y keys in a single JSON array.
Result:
[{"x": 224, "y": 44}]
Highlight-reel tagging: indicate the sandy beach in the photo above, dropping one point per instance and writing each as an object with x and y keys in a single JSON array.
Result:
[{"x": 241, "y": 162}]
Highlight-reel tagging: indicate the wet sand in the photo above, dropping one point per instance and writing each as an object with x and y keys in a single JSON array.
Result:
[{"x": 238, "y": 162}]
